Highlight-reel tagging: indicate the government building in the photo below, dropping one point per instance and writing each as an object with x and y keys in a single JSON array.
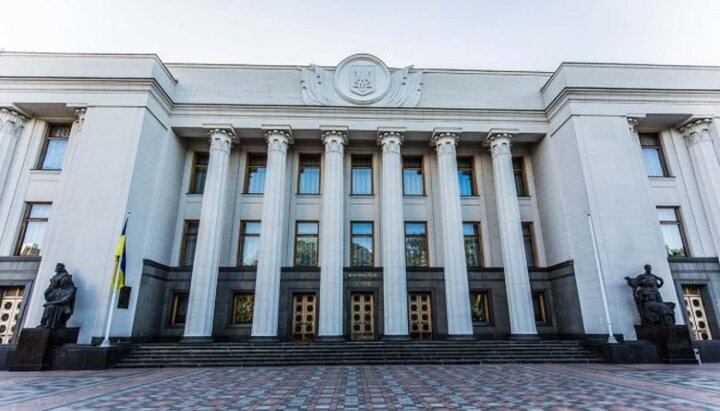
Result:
[{"x": 357, "y": 201}]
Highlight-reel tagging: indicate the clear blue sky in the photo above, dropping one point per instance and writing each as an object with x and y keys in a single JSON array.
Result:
[{"x": 483, "y": 34}]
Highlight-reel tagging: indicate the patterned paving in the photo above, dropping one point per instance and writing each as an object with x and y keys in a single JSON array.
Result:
[{"x": 466, "y": 387}]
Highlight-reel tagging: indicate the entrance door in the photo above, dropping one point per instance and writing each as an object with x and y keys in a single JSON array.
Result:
[
  {"x": 303, "y": 324},
  {"x": 420, "y": 313},
  {"x": 362, "y": 317},
  {"x": 696, "y": 315},
  {"x": 11, "y": 298}
]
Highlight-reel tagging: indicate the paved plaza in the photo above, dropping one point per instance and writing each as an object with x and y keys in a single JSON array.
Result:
[{"x": 468, "y": 387}]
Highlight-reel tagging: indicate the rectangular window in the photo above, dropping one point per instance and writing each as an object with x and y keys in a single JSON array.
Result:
[
  {"x": 361, "y": 244},
  {"x": 249, "y": 243},
  {"x": 542, "y": 315},
  {"x": 416, "y": 246},
  {"x": 32, "y": 232},
  {"x": 529, "y": 240},
  {"x": 520, "y": 176},
  {"x": 413, "y": 184},
  {"x": 362, "y": 176},
  {"x": 189, "y": 241},
  {"x": 54, "y": 147},
  {"x": 255, "y": 177},
  {"x": 673, "y": 232},
  {"x": 466, "y": 177},
  {"x": 309, "y": 175},
  {"x": 243, "y": 308},
  {"x": 473, "y": 244},
  {"x": 653, "y": 155},
  {"x": 480, "y": 307},
  {"x": 306, "y": 244},
  {"x": 199, "y": 173},
  {"x": 178, "y": 308}
]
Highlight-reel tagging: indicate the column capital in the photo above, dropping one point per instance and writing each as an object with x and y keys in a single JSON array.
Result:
[
  {"x": 445, "y": 141},
  {"x": 221, "y": 138},
  {"x": 278, "y": 138},
  {"x": 11, "y": 121},
  {"x": 696, "y": 131},
  {"x": 632, "y": 124},
  {"x": 500, "y": 141},
  {"x": 390, "y": 140},
  {"x": 334, "y": 140},
  {"x": 80, "y": 118}
]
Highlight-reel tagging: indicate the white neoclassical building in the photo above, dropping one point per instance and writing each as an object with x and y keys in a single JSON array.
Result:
[{"x": 357, "y": 202}]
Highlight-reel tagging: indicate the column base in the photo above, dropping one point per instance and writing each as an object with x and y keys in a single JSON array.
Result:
[
  {"x": 460, "y": 337},
  {"x": 524, "y": 337},
  {"x": 396, "y": 338},
  {"x": 330, "y": 339},
  {"x": 196, "y": 340},
  {"x": 264, "y": 340}
]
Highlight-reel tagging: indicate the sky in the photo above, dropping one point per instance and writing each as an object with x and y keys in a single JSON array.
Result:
[{"x": 479, "y": 34}]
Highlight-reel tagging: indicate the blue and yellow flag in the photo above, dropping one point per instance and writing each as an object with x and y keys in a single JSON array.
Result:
[{"x": 119, "y": 275}]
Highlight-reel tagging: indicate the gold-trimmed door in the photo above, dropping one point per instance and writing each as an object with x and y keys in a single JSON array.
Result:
[
  {"x": 9, "y": 312},
  {"x": 362, "y": 316},
  {"x": 420, "y": 313},
  {"x": 696, "y": 314},
  {"x": 304, "y": 317}
]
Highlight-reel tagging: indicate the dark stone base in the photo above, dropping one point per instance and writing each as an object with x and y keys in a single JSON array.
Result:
[
  {"x": 465, "y": 337},
  {"x": 87, "y": 357},
  {"x": 633, "y": 352},
  {"x": 709, "y": 351},
  {"x": 330, "y": 339},
  {"x": 395, "y": 338},
  {"x": 263, "y": 340},
  {"x": 674, "y": 343},
  {"x": 196, "y": 340},
  {"x": 34, "y": 347},
  {"x": 524, "y": 337}
]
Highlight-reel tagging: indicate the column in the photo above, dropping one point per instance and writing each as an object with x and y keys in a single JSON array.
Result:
[
  {"x": 332, "y": 239},
  {"x": 11, "y": 125},
  {"x": 457, "y": 292},
  {"x": 203, "y": 284},
  {"x": 707, "y": 172},
  {"x": 517, "y": 280},
  {"x": 267, "y": 280},
  {"x": 393, "y": 237}
]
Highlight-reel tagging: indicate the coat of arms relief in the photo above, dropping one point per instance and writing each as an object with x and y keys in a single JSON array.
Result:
[{"x": 361, "y": 80}]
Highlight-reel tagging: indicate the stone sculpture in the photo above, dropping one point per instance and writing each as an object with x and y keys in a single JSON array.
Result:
[
  {"x": 60, "y": 299},
  {"x": 653, "y": 311}
]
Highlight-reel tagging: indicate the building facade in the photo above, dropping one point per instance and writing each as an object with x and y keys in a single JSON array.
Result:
[{"x": 357, "y": 202}]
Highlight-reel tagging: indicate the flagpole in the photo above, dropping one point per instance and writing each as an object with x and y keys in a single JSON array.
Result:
[
  {"x": 106, "y": 341},
  {"x": 608, "y": 321}
]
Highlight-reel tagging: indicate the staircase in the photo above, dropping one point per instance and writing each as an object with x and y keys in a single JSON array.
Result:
[{"x": 356, "y": 353}]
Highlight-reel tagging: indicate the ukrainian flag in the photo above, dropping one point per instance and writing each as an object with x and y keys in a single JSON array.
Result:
[{"x": 119, "y": 275}]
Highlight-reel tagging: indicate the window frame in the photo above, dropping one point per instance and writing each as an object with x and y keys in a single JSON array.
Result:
[
  {"x": 241, "y": 241},
  {"x": 660, "y": 150},
  {"x": 194, "y": 170},
  {"x": 425, "y": 243},
  {"x": 183, "y": 241},
  {"x": 545, "y": 314},
  {"x": 533, "y": 243},
  {"x": 233, "y": 305},
  {"x": 298, "y": 235},
  {"x": 371, "y": 236},
  {"x": 523, "y": 176},
  {"x": 477, "y": 238},
  {"x": 372, "y": 174},
  {"x": 680, "y": 225},
  {"x": 422, "y": 174},
  {"x": 24, "y": 224},
  {"x": 46, "y": 143},
  {"x": 174, "y": 305},
  {"x": 488, "y": 302},
  {"x": 248, "y": 166},
  {"x": 471, "y": 168},
  {"x": 299, "y": 173}
]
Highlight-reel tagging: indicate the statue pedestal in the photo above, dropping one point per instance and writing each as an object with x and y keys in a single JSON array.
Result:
[
  {"x": 674, "y": 343},
  {"x": 35, "y": 344}
]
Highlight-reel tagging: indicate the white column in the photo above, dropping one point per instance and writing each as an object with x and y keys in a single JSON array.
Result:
[
  {"x": 267, "y": 280},
  {"x": 203, "y": 284},
  {"x": 11, "y": 125},
  {"x": 332, "y": 238},
  {"x": 517, "y": 280},
  {"x": 393, "y": 237},
  {"x": 457, "y": 292},
  {"x": 707, "y": 173}
]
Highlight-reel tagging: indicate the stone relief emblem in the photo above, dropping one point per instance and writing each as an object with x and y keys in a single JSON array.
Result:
[{"x": 361, "y": 79}]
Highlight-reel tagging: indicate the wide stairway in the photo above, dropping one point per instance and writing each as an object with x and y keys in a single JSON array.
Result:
[{"x": 356, "y": 353}]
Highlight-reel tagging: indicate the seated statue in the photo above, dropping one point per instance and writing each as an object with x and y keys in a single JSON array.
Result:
[
  {"x": 649, "y": 302},
  {"x": 60, "y": 297}
]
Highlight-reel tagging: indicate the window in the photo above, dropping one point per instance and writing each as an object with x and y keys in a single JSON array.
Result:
[
  {"x": 243, "y": 308},
  {"x": 309, "y": 176},
  {"x": 249, "y": 243},
  {"x": 189, "y": 241},
  {"x": 416, "y": 247},
  {"x": 32, "y": 232},
  {"x": 361, "y": 183},
  {"x": 54, "y": 147},
  {"x": 466, "y": 177},
  {"x": 361, "y": 244},
  {"x": 480, "y": 307},
  {"x": 473, "y": 244},
  {"x": 255, "y": 178},
  {"x": 413, "y": 184},
  {"x": 306, "y": 244},
  {"x": 653, "y": 155},
  {"x": 178, "y": 308},
  {"x": 520, "y": 177},
  {"x": 673, "y": 232},
  {"x": 529, "y": 240},
  {"x": 199, "y": 173},
  {"x": 542, "y": 315}
]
